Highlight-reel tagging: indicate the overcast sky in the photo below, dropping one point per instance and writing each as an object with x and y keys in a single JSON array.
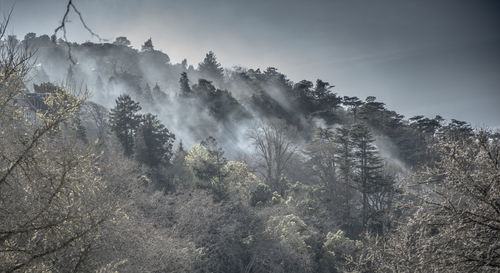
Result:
[{"x": 419, "y": 57}]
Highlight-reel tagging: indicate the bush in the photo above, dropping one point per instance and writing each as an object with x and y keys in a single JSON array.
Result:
[{"x": 261, "y": 194}]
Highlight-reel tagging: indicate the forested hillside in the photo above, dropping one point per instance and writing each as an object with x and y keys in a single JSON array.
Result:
[{"x": 115, "y": 159}]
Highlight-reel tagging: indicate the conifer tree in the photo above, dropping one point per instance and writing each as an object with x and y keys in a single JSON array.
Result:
[
  {"x": 80, "y": 130},
  {"x": 147, "y": 95},
  {"x": 353, "y": 103},
  {"x": 158, "y": 95},
  {"x": 212, "y": 68},
  {"x": 124, "y": 121},
  {"x": 322, "y": 159},
  {"x": 345, "y": 165},
  {"x": 368, "y": 166},
  {"x": 154, "y": 142},
  {"x": 148, "y": 45},
  {"x": 185, "y": 89}
]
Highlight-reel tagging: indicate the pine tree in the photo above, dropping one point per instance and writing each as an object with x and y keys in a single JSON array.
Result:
[
  {"x": 345, "y": 165},
  {"x": 368, "y": 166},
  {"x": 147, "y": 95},
  {"x": 353, "y": 103},
  {"x": 148, "y": 45},
  {"x": 322, "y": 159},
  {"x": 124, "y": 121},
  {"x": 80, "y": 130},
  {"x": 215, "y": 167},
  {"x": 158, "y": 94},
  {"x": 211, "y": 68},
  {"x": 154, "y": 142},
  {"x": 178, "y": 171},
  {"x": 184, "y": 86},
  {"x": 184, "y": 64}
]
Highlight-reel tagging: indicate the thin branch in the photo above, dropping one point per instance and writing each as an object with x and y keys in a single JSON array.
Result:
[{"x": 62, "y": 27}]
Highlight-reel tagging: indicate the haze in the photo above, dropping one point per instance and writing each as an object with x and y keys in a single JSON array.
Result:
[{"x": 419, "y": 57}]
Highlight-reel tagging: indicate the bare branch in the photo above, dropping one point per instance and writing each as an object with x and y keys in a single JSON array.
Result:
[{"x": 62, "y": 27}]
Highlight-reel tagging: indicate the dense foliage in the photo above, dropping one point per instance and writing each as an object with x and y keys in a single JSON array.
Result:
[{"x": 277, "y": 176}]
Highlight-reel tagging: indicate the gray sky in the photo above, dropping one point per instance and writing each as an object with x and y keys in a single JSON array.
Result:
[{"x": 419, "y": 57}]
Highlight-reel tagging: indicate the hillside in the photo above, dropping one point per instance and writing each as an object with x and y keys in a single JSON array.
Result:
[{"x": 117, "y": 159}]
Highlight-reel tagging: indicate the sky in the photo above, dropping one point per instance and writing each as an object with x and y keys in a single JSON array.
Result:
[{"x": 419, "y": 57}]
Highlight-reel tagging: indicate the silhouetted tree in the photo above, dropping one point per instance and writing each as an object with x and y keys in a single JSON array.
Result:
[
  {"x": 153, "y": 142},
  {"x": 211, "y": 68},
  {"x": 158, "y": 95},
  {"x": 124, "y": 121},
  {"x": 147, "y": 95},
  {"x": 353, "y": 103},
  {"x": 456, "y": 130},
  {"x": 185, "y": 89},
  {"x": 121, "y": 41},
  {"x": 148, "y": 45}
]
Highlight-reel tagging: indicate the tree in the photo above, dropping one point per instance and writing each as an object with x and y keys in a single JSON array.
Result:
[
  {"x": 296, "y": 242},
  {"x": 184, "y": 86},
  {"x": 322, "y": 158},
  {"x": 460, "y": 216},
  {"x": 207, "y": 162},
  {"x": 148, "y": 45},
  {"x": 325, "y": 100},
  {"x": 303, "y": 94},
  {"x": 368, "y": 166},
  {"x": 274, "y": 145},
  {"x": 211, "y": 68},
  {"x": 45, "y": 87},
  {"x": 28, "y": 39},
  {"x": 178, "y": 171},
  {"x": 122, "y": 41},
  {"x": 99, "y": 115},
  {"x": 124, "y": 122},
  {"x": 12, "y": 41},
  {"x": 154, "y": 142},
  {"x": 51, "y": 193},
  {"x": 147, "y": 95},
  {"x": 220, "y": 103},
  {"x": 372, "y": 111},
  {"x": 345, "y": 164},
  {"x": 158, "y": 95},
  {"x": 353, "y": 103},
  {"x": 452, "y": 222},
  {"x": 80, "y": 130},
  {"x": 456, "y": 130}
]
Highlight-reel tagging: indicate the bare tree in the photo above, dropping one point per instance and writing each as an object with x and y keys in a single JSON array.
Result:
[
  {"x": 99, "y": 116},
  {"x": 274, "y": 144}
]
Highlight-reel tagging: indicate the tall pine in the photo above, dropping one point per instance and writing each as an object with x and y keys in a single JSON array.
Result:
[
  {"x": 345, "y": 167},
  {"x": 211, "y": 68},
  {"x": 185, "y": 89},
  {"x": 124, "y": 121},
  {"x": 368, "y": 166}
]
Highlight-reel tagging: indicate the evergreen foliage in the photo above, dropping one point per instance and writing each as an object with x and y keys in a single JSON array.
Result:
[
  {"x": 154, "y": 142},
  {"x": 124, "y": 121}
]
